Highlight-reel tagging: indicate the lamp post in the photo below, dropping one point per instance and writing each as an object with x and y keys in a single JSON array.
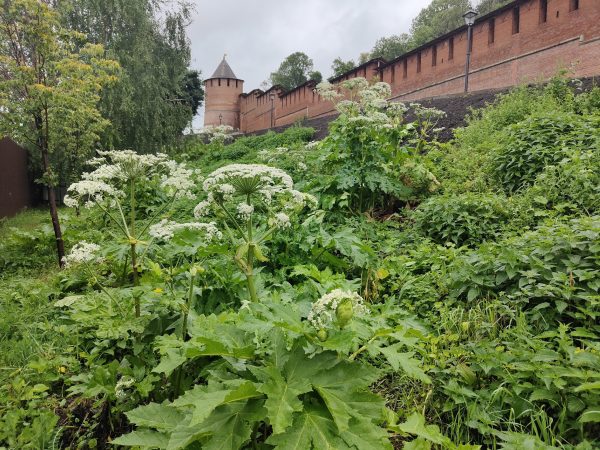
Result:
[
  {"x": 272, "y": 97},
  {"x": 220, "y": 119},
  {"x": 469, "y": 20}
]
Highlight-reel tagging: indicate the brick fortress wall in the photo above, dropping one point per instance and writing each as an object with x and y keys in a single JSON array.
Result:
[{"x": 522, "y": 42}]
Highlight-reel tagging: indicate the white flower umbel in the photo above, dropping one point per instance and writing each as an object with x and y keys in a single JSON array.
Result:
[
  {"x": 245, "y": 211},
  {"x": 166, "y": 229},
  {"x": 82, "y": 253},
  {"x": 252, "y": 201},
  {"x": 323, "y": 313},
  {"x": 179, "y": 181},
  {"x": 115, "y": 168},
  {"x": 281, "y": 221},
  {"x": 117, "y": 177}
]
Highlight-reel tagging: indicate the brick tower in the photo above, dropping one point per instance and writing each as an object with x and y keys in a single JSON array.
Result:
[{"x": 222, "y": 97}]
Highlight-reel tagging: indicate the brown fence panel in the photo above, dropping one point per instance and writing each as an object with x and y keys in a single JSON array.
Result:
[{"x": 15, "y": 192}]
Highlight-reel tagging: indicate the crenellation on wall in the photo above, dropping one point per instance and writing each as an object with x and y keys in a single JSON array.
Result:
[{"x": 522, "y": 42}]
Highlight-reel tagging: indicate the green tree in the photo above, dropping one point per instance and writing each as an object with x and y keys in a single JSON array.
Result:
[
  {"x": 440, "y": 17},
  {"x": 296, "y": 69},
  {"x": 50, "y": 85},
  {"x": 157, "y": 96},
  {"x": 486, "y": 6},
  {"x": 339, "y": 66},
  {"x": 391, "y": 47},
  {"x": 193, "y": 91}
]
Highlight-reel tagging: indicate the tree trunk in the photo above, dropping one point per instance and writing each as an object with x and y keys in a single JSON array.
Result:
[{"x": 43, "y": 145}]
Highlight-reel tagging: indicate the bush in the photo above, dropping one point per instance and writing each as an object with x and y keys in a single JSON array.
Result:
[
  {"x": 463, "y": 219},
  {"x": 551, "y": 272},
  {"x": 538, "y": 141},
  {"x": 571, "y": 187},
  {"x": 371, "y": 154}
]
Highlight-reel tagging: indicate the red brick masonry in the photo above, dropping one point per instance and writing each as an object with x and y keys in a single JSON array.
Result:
[{"x": 519, "y": 43}]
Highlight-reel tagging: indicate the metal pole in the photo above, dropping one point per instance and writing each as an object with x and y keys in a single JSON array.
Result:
[{"x": 468, "y": 65}]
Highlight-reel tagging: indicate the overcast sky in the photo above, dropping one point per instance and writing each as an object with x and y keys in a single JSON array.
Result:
[{"x": 258, "y": 35}]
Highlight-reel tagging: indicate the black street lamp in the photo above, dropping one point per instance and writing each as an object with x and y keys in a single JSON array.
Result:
[
  {"x": 469, "y": 20},
  {"x": 272, "y": 97}
]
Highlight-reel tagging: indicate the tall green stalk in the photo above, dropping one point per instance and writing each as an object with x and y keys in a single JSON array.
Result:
[
  {"x": 186, "y": 311},
  {"x": 133, "y": 244},
  {"x": 250, "y": 260}
]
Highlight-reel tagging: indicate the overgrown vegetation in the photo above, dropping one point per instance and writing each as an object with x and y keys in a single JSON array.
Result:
[{"x": 373, "y": 290}]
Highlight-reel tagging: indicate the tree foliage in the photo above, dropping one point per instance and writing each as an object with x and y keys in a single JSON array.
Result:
[
  {"x": 296, "y": 69},
  {"x": 50, "y": 86},
  {"x": 390, "y": 47},
  {"x": 438, "y": 18},
  {"x": 157, "y": 94},
  {"x": 339, "y": 66},
  {"x": 485, "y": 6}
]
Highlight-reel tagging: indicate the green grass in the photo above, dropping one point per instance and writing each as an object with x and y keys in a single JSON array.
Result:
[{"x": 28, "y": 220}]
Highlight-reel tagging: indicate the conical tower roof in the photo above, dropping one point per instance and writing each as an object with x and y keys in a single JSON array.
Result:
[{"x": 224, "y": 71}]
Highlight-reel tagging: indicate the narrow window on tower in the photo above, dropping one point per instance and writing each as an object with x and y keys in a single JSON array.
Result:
[
  {"x": 219, "y": 82},
  {"x": 393, "y": 73},
  {"x": 227, "y": 81},
  {"x": 516, "y": 19},
  {"x": 419, "y": 62},
  {"x": 451, "y": 48},
  {"x": 491, "y": 31},
  {"x": 574, "y": 5},
  {"x": 543, "y": 11},
  {"x": 405, "y": 68},
  {"x": 434, "y": 55}
]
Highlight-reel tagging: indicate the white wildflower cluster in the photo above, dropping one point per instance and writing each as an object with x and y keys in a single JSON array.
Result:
[
  {"x": 244, "y": 211},
  {"x": 89, "y": 192},
  {"x": 272, "y": 154},
  {"x": 269, "y": 186},
  {"x": 217, "y": 133},
  {"x": 280, "y": 220},
  {"x": 82, "y": 253},
  {"x": 366, "y": 105},
  {"x": 115, "y": 167},
  {"x": 397, "y": 108},
  {"x": 424, "y": 113},
  {"x": 179, "y": 181},
  {"x": 311, "y": 145},
  {"x": 324, "y": 311},
  {"x": 166, "y": 229},
  {"x": 328, "y": 91},
  {"x": 355, "y": 84},
  {"x": 121, "y": 387}
]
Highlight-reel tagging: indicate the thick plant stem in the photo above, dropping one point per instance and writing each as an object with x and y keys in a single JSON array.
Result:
[
  {"x": 186, "y": 312},
  {"x": 133, "y": 242},
  {"x": 135, "y": 279},
  {"x": 250, "y": 260}
]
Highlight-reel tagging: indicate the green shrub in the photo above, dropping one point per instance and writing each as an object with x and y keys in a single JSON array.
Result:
[
  {"x": 570, "y": 187},
  {"x": 538, "y": 141},
  {"x": 552, "y": 272},
  {"x": 463, "y": 219}
]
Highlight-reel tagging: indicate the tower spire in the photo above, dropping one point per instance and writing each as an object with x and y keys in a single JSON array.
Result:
[{"x": 223, "y": 70}]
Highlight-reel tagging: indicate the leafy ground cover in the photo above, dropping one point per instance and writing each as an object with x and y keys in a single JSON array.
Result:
[{"x": 373, "y": 290}]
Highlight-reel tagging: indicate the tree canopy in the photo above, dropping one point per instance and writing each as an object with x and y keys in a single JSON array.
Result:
[
  {"x": 295, "y": 70},
  {"x": 339, "y": 66},
  {"x": 157, "y": 95},
  {"x": 437, "y": 19},
  {"x": 50, "y": 86}
]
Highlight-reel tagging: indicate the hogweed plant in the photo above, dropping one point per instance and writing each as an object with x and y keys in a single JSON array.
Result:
[
  {"x": 113, "y": 185},
  {"x": 370, "y": 146},
  {"x": 251, "y": 202}
]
